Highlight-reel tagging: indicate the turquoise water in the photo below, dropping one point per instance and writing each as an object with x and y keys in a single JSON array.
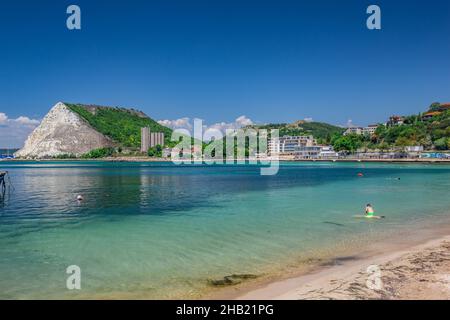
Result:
[{"x": 157, "y": 230}]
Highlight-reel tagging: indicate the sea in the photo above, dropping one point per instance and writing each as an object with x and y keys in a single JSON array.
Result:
[{"x": 157, "y": 230}]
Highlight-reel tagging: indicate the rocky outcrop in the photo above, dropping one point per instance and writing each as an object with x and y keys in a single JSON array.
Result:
[{"x": 62, "y": 132}]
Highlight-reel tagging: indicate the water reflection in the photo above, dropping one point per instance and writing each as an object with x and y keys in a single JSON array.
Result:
[{"x": 48, "y": 193}]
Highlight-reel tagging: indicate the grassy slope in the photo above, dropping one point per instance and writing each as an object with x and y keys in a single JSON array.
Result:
[{"x": 121, "y": 125}]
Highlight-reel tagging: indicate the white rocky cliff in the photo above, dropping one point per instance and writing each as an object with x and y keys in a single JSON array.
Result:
[{"x": 62, "y": 132}]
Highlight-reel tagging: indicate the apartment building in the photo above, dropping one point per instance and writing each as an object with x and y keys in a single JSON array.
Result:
[{"x": 287, "y": 145}]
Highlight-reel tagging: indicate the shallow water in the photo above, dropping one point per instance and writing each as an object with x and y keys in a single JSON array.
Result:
[{"x": 157, "y": 230}]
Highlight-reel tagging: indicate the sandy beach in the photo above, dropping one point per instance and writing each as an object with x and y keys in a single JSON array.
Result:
[{"x": 418, "y": 272}]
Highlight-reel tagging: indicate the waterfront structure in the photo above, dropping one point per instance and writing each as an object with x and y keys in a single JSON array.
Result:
[
  {"x": 414, "y": 148},
  {"x": 150, "y": 139},
  {"x": 287, "y": 145},
  {"x": 315, "y": 152},
  {"x": 327, "y": 152},
  {"x": 307, "y": 152},
  {"x": 379, "y": 155},
  {"x": 435, "y": 155}
]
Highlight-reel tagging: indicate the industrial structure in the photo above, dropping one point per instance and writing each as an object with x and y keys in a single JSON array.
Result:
[{"x": 150, "y": 139}]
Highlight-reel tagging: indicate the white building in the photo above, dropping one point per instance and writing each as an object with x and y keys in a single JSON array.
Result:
[
  {"x": 307, "y": 152},
  {"x": 287, "y": 145},
  {"x": 315, "y": 152},
  {"x": 369, "y": 130},
  {"x": 327, "y": 152},
  {"x": 414, "y": 148},
  {"x": 353, "y": 130}
]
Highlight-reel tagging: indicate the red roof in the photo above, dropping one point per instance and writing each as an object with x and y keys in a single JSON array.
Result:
[{"x": 432, "y": 113}]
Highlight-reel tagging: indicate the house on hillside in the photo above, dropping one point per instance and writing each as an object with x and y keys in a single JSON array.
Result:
[
  {"x": 395, "y": 120},
  {"x": 436, "y": 111},
  {"x": 353, "y": 130},
  {"x": 430, "y": 114},
  {"x": 369, "y": 130}
]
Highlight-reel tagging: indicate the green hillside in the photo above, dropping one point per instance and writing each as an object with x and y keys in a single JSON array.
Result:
[
  {"x": 321, "y": 131},
  {"x": 430, "y": 130},
  {"x": 432, "y": 133},
  {"x": 120, "y": 124}
]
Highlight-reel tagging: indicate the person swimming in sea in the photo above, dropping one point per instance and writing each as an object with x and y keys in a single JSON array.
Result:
[{"x": 369, "y": 210}]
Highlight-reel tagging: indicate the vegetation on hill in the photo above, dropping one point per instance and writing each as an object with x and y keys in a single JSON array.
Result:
[
  {"x": 319, "y": 130},
  {"x": 121, "y": 125},
  {"x": 124, "y": 127},
  {"x": 433, "y": 133}
]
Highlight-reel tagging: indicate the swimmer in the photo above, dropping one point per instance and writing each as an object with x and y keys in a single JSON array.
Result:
[{"x": 369, "y": 210}]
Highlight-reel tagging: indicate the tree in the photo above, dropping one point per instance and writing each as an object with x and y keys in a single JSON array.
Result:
[
  {"x": 383, "y": 146},
  {"x": 403, "y": 142},
  {"x": 98, "y": 153},
  {"x": 434, "y": 106},
  {"x": 349, "y": 142},
  {"x": 155, "y": 151},
  {"x": 442, "y": 143}
]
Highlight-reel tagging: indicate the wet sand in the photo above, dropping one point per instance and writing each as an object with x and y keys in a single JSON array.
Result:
[{"x": 418, "y": 272}]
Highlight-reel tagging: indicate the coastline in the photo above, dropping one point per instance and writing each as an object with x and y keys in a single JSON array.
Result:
[
  {"x": 149, "y": 159},
  {"x": 418, "y": 270}
]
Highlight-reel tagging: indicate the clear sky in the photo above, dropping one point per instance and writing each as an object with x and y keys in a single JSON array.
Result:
[{"x": 272, "y": 61}]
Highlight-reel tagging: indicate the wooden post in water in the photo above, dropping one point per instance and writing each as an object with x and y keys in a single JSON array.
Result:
[{"x": 2, "y": 183}]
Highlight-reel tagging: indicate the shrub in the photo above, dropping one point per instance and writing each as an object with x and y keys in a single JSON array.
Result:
[{"x": 98, "y": 153}]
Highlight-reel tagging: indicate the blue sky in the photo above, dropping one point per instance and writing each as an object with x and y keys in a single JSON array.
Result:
[{"x": 272, "y": 61}]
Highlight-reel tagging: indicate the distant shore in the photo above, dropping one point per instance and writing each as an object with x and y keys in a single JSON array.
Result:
[{"x": 150, "y": 159}]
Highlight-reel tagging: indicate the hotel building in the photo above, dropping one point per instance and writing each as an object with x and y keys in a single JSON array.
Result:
[{"x": 287, "y": 145}]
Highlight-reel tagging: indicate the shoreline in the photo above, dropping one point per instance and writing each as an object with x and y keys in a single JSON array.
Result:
[
  {"x": 418, "y": 270},
  {"x": 149, "y": 159}
]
